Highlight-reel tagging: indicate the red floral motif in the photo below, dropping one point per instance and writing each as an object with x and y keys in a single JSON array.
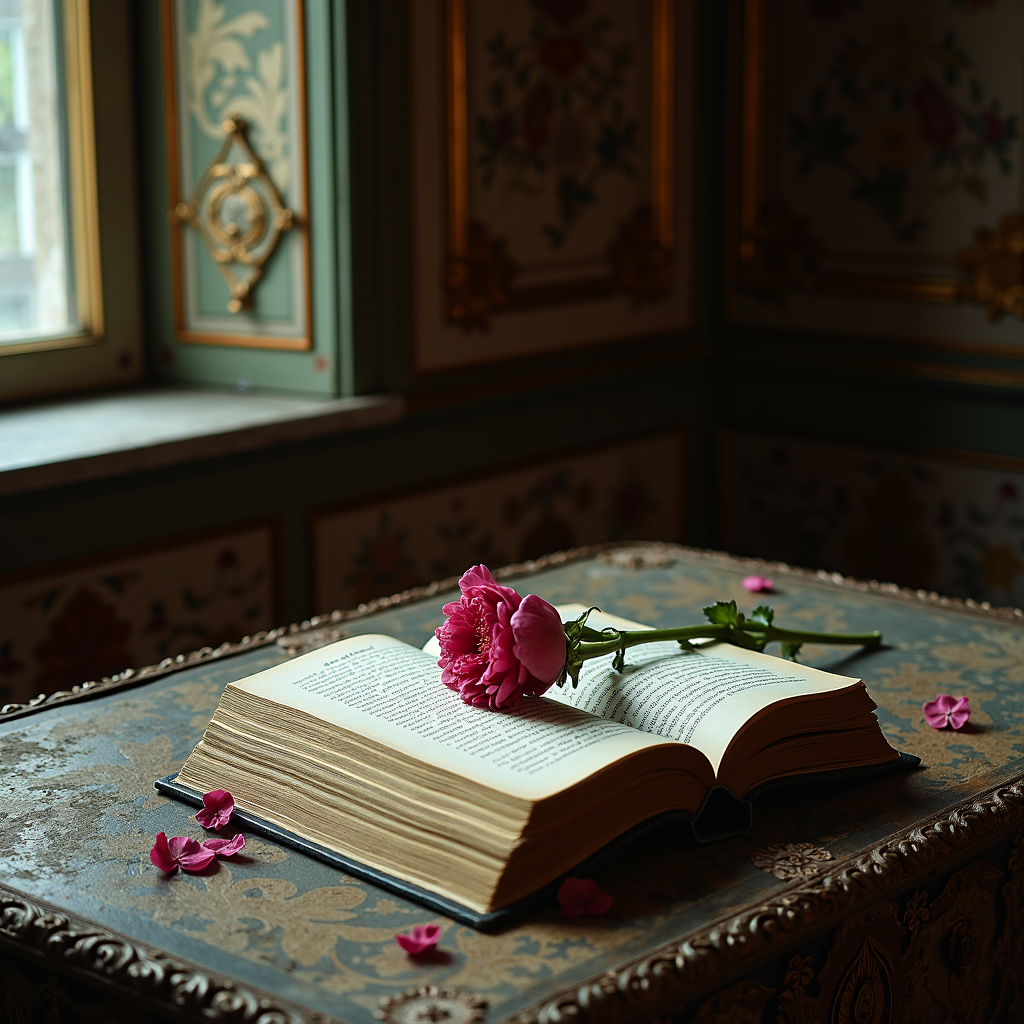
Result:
[
  {"x": 562, "y": 54},
  {"x": 537, "y": 118},
  {"x": 86, "y": 641},
  {"x": 561, "y": 12},
  {"x": 991, "y": 128},
  {"x": 938, "y": 122}
]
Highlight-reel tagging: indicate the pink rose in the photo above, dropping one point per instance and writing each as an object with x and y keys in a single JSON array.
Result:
[
  {"x": 946, "y": 710},
  {"x": 579, "y": 897},
  {"x": 497, "y": 647}
]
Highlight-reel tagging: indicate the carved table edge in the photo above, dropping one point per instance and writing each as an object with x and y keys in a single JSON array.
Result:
[
  {"x": 660, "y": 981},
  {"x": 43, "y": 932},
  {"x": 134, "y": 677},
  {"x": 637, "y": 989}
]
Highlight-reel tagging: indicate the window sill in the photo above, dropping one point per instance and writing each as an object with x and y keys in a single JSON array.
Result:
[{"x": 83, "y": 439}]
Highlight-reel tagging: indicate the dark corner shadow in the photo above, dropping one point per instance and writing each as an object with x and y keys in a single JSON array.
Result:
[{"x": 432, "y": 957}]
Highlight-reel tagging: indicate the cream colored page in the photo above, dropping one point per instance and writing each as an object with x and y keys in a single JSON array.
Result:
[
  {"x": 378, "y": 687},
  {"x": 698, "y": 698}
]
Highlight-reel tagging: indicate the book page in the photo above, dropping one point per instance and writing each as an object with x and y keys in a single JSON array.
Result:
[
  {"x": 702, "y": 698},
  {"x": 378, "y": 687}
]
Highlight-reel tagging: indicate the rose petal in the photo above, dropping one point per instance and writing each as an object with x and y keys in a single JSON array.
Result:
[
  {"x": 758, "y": 584},
  {"x": 190, "y": 854},
  {"x": 160, "y": 855},
  {"x": 959, "y": 715},
  {"x": 946, "y": 710},
  {"x": 539, "y": 638},
  {"x": 226, "y": 847},
  {"x": 217, "y": 807},
  {"x": 422, "y": 939},
  {"x": 581, "y": 896}
]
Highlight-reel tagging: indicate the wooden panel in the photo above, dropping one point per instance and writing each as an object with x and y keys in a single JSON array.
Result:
[
  {"x": 65, "y": 624},
  {"x": 623, "y": 492},
  {"x": 946, "y": 521},
  {"x": 552, "y": 149},
  {"x": 878, "y": 171}
]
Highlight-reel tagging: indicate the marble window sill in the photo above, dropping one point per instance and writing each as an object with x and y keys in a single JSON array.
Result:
[{"x": 81, "y": 439}]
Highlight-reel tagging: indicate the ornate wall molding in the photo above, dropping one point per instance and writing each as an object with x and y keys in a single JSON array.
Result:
[
  {"x": 44, "y": 932},
  {"x": 654, "y": 554}
]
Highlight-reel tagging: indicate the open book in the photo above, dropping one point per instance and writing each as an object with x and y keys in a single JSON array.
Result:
[{"x": 358, "y": 749}]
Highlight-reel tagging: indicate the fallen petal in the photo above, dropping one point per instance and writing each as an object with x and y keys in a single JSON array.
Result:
[
  {"x": 581, "y": 896},
  {"x": 217, "y": 807},
  {"x": 758, "y": 584},
  {"x": 946, "y": 710},
  {"x": 190, "y": 854},
  {"x": 160, "y": 855},
  {"x": 422, "y": 939},
  {"x": 226, "y": 847}
]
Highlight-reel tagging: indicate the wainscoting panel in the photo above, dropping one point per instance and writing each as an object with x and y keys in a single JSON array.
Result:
[
  {"x": 938, "y": 520},
  {"x": 627, "y": 491},
  {"x": 69, "y": 623}
]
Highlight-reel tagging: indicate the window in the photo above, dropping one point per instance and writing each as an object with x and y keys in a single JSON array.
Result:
[{"x": 59, "y": 153}]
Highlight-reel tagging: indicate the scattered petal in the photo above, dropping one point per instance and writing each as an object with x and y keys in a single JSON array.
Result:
[
  {"x": 217, "y": 807},
  {"x": 422, "y": 939},
  {"x": 947, "y": 710},
  {"x": 580, "y": 897},
  {"x": 226, "y": 847},
  {"x": 179, "y": 852},
  {"x": 758, "y": 584}
]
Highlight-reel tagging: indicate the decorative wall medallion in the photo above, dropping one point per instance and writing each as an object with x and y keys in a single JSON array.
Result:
[
  {"x": 238, "y": 213},
  {"x": 791, "y": 861},
  {"x": 429, "y": 1004},
  {"x": 996, "y": 265},
  {"x": 640, "y": 262}
]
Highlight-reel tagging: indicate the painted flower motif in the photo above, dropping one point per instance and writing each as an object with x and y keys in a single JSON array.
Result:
[
  {"x": 947, "y": 711},
  {"x": 180, "y": 852},
  {"x": 226, "y": 847},
  {"x": 498, "y": 647},
  {"x": 561, "y": 12},
  {"x": 537, "y": 117},
  {"x": 422, "y": 939},
  {"x": 989, "y": 127},
  {"x": 562, "y": 54},
  {"x": 758, "y": 584},
  {"x": 938, "y": 122},
  {"x": 217, "y": 807},
  {"x": 579, "y": 897},
  {"x": 570, "y": 143}
]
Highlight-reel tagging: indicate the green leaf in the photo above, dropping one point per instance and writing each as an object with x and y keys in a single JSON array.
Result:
[
  {"x": 724, "y": 613},
  {"x": 790, "y": 651},
  {"x": 763, "y": 614}
]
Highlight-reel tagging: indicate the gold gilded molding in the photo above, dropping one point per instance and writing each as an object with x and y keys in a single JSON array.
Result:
[
  {"x": 479, "y": 277},
  {"x": 759, "y": 225},
  {"x": 248, "y": 240},
  {"x": 778, "y": 255},
  {"x": 790, "y": 861},
  {"x": 995, "y": 264},
  {"x": 429, "y": 1004}
]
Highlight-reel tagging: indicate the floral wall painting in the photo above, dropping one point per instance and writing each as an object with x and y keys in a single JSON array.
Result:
[
  {"x": 234, "y": 97},
  {"x": 877, "y": 169},
  {"x": 552, "y": 208},
  {"x": 65, "y": 625},
  {"x": 946, "y": 521},
  {"x": 628, "y": 491}
]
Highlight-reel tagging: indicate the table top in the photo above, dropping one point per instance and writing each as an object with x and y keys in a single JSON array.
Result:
[{"x": 78, "y": 814}]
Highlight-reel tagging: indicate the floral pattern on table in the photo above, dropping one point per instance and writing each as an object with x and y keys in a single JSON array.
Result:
[
  {"x": 624, "y": 492},
  {"x": 949, "y": 522},
  {"x": 60, "y": 627}
]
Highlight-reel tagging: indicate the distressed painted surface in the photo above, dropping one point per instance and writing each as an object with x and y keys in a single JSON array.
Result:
[{"x": 79, "y": 811}]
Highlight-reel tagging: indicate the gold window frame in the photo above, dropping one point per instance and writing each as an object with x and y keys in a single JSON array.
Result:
[
  {"x": 81, "y": 189},
  {"x": 477, "y": 273},
  {"x": 749, "y": 228}
]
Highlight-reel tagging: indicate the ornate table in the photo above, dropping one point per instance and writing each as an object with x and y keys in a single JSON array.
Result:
[{"x": 898, "y": 900}]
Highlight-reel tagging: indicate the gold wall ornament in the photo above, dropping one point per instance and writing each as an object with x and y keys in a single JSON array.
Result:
[
  {"x": 238, "y": 213},
  {"x": 429, "y": 1004},
  {"x": 790, "y": 861},
  {"x": 639, "y": 258},
  {"x": 778, "y": 255},
  {"x": 477, "y": 279},
  {"x": 996, "y": 266}
]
